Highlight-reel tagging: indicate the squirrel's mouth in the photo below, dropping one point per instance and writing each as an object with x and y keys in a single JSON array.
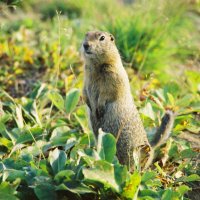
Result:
[{"x": 88, "y": 52}]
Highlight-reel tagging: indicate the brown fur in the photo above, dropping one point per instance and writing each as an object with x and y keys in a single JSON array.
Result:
[{"x": 108, "y": 96}]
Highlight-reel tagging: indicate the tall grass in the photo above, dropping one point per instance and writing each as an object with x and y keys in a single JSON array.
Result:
[{"x": 150, "y": 34}]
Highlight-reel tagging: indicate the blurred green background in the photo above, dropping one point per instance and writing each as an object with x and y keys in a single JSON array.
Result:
[{"x": 155, "y": 38}]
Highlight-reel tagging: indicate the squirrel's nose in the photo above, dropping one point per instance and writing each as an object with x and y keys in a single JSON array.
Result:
[{"x": 86, "y": 46}]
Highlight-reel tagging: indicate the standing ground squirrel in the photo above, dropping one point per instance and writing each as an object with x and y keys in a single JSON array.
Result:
[{"x": 111, "y": 107}]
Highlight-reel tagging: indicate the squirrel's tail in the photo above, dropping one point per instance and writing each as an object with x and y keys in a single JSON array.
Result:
[{"x": 163, "y": 132}]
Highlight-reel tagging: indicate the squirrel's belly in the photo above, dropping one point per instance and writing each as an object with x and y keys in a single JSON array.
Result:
[{"x": 123, "y": 121}]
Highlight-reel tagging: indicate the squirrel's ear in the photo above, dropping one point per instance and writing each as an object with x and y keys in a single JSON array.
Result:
[{"x": 112, "y": 38}]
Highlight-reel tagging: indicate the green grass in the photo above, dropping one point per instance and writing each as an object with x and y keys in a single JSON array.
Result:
[{"x": 47, "y": 150}]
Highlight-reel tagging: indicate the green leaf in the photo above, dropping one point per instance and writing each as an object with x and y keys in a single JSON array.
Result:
[
  {"x": 148, "y": 176},
  {"x": 170, "y": 195},
  {"x": 57, "y": 160},
  {"x": 188, "y": 153},
  {"x": 87, "y": 158},
  {"x": 173, "y": 88},
  {"x": 102, "y": 172},
  {"x": 35, "y": 149},
  {"x": 191, "y": 178},
  {"x": 45, "y": 191},
  {"x": 6, "y": 134},
  {"x": 70, "y": 143},
  {"x": 106, "y": 146},
  {"x": 160, "y": 94},
  {"x": 64, "y": 175},
  {"x": 171, "y": 99},
  {"x": 173, "y": 152},
  {"x": 167, "y": 195},
  {"x": 120, "y": 174},
  {"x": 56, "y": 99},
  {"x": 7, "y": 192},
  {"x": 59, "y": 131},
  {"x": 77, "y": 188},
  {"x": 13, "y": 174},
  {"x": 5, "y": 142},
  {"x": 148, "y": 192},
  {"x": 193, "y": 79},
  {"x": 131, "y": 188},
  {"x": 30, "y": 135},
  {"x": 72, "y": 99},
  {"x": 80, "y": 116},
  {"x": 182, "y": 189},
  {"x": 37, "y": 91},
  {"x": 185, "y": 101}
]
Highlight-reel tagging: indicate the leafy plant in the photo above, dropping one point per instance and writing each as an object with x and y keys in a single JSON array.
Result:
[{"x": 47, "y": 150}]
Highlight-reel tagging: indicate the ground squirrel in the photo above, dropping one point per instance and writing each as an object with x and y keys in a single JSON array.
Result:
[{"x": 107, "y": 93}]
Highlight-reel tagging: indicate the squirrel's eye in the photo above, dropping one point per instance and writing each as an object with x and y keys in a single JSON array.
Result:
[{"x": 102, "y": 38}]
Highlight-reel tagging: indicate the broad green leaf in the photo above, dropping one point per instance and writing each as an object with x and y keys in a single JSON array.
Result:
[
  {"x": 60, "y": 141},
  {"x": 182, "y": 189},
  {"x": 13, "y": 174},
  {"x": 70, "y": 143},
  {"x": 188, "y": 153},
  {"x": 64, "y": 175},
  {"x": 172, "y": 88},
  {"x": 30, "y": 135},
  {"x": 170, "y": 195},
  {"x": 148, "y": 193},
  {"x": 88, "y": 139},
  {"x": 56, "y": 99},
  {"x": 59, "y": 131},
  {"x": 173, "y": 152},
  {"x": 87, "y": 158},
  {"x": 185, "y": 101},
  {"x": 5, "y": 142},
  {"x": 16, "y": 148},
  {"x": 77, "y": 188},
  {"x": 102, "y": 172},
  {"x": 193, "y": 177},
  {"x": 71, "y": 101},
  {"x": 44, "y": 166},
  {"x": 57, "y": 160},
  {"x": 160, "y": 94},
  {"x": 146, "y": 198},
  {"x": 131, "y": 188},
  {"x": 193, "y": 79},
  {"x": 7, "y": 192},
  {"x": 120, "y": 174},
  {"x": 35, "y": 149},
  {"x": 45, "y": 191},
  {"x": 106, "y": 146},
  {"x": 148, "y": 175}
]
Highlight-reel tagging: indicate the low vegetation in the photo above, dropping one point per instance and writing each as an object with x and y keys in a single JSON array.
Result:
[{"x": 47, "y": 150}]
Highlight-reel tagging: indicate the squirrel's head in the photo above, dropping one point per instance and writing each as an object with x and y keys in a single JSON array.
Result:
[{"x": 99, "y": 47}]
